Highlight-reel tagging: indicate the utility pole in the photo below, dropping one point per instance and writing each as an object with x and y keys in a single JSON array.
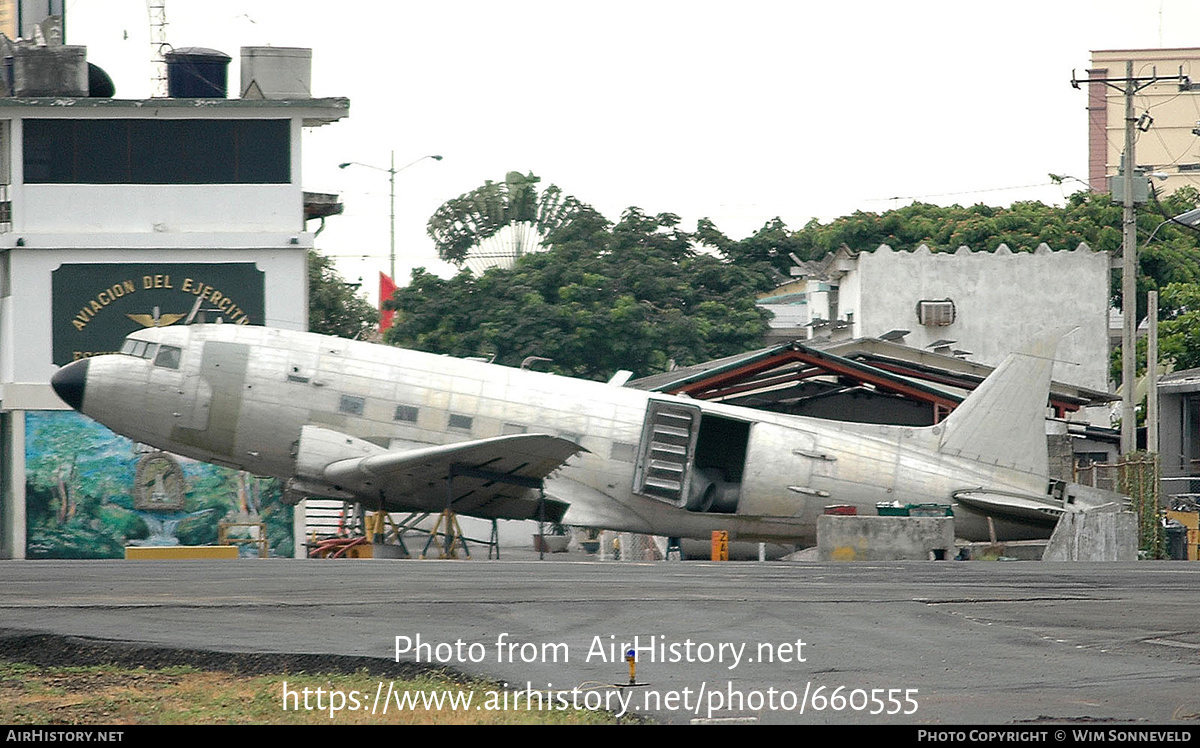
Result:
[
  {"x": 1129, "y": 275},
  {"x": 1152, "y": 376},
  {"x": 1129, "y": 86}
]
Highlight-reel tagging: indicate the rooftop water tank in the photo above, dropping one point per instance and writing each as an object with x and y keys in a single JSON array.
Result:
[
  {"x": 99, "y": 84},
  {"x": 197, "y": 73},
  {"x": 276, "y": 72},
  {"x": 47, "y": 71}
]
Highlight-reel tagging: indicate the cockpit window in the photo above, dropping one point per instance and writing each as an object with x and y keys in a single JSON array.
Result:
[
  {"x": 168, "y": 357},
  {"x": 139, "y": 348}
]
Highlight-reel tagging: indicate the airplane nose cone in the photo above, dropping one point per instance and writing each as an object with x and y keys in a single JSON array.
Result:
[{"x": 69, "y": 382}]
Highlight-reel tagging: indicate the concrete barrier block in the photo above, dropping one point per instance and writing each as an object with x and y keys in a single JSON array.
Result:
[
  {"x": 844, "y": 538},
  {"x": 1094, "y": 536}
]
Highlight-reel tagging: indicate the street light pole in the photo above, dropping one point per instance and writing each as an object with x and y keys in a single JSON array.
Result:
[
  {"x": 392, "y": 171},
  {"x": 392, "y": 218}
]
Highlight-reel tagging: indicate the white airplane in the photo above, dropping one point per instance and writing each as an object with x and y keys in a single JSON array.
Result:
[{"x": 402, "y": 430}]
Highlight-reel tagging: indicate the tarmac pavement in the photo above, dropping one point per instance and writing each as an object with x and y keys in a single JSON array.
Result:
[{"x": 788, "y": 643}]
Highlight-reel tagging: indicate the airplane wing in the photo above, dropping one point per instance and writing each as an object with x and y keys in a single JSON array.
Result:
[{"x": 495, "y": 478}]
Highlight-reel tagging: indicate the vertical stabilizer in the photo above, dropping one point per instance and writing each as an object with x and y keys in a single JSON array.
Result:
[{"x": 1003, "y": 422}]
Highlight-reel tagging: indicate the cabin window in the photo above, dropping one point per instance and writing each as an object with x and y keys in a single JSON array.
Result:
[
  {"x": 168, "y": 357},
  {"x": 139, "y": 348},
  {"x": 406, "y": 413},
  {"x": 514, "y": 428},
  {"x": 352, "y": 405},
  {"x": 460, "y": 422}
]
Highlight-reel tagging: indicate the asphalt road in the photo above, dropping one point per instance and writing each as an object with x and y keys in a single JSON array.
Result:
[{"x": 930, "y": 642}]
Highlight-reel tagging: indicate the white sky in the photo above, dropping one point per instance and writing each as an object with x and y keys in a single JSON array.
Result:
[{"x": 738, "y": 112}]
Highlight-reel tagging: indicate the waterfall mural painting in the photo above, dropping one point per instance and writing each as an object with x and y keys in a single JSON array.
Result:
[{"x": 89, "y": 493}]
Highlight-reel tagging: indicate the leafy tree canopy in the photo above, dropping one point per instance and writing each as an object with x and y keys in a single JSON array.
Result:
[
  {"x": 631, "y": 295},
  {"x": 1091, "y": 218},
  {"x": 1168, "y": 255},
  {"x": 334, "y": 307},
  {"x": 636, "y": 294},
  {"x": 463, "y": 222}
]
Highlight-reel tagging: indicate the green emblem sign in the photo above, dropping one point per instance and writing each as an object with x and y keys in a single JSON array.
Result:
[{"x": 96, "y": 305}]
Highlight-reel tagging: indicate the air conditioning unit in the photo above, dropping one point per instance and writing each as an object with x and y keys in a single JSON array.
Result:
[{"x": 935, "y": 312}]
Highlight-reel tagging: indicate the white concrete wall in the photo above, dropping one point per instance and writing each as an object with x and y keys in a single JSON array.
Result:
[
  {"x": 26, "y": 314},
  {"x": 1002, "y": 299},
  {"x": 156, "y": 208},
  {"x": 850, "y": 302},
  {"x": 818, "y": 299},
  {"x": 787, "y": 315}
]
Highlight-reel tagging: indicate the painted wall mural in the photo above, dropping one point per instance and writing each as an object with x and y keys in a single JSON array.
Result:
[{"x": 89, "y": 493}]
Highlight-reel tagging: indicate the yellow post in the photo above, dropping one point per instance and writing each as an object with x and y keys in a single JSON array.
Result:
[
  {"x": 375, "y": 526},
  {"x": 720, "y": 545}
]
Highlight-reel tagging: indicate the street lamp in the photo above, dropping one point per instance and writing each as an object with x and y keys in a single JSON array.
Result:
[
  {"x": 1060, "y": 178},
  {"x": 392, "y": 171},
  {"x": 1189, "y": 220}
]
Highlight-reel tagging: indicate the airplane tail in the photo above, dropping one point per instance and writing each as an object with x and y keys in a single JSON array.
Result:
[{"x": 1003, "y": 421}]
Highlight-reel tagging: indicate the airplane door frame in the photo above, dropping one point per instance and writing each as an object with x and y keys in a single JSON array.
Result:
[{"x": 667, "y": 452}]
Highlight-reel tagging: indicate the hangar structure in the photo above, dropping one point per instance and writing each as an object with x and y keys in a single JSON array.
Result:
[{"x": 869, "y": 380}]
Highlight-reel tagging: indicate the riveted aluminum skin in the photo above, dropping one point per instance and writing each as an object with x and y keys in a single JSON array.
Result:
[{"x": 409, "y": 431}]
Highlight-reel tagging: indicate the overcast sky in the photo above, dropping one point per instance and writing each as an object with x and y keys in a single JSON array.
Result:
[{"x": 735, "y": 111}]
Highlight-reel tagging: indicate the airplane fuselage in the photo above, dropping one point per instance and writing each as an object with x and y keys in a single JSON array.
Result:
[{"x": 240, "y": 396}]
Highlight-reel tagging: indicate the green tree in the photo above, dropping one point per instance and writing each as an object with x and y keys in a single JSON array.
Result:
[
  {"x": 334, "y": 306},
  {"x": 1168, "y": 258},
  {"x": 462, "y": 223},
  {"x": 603, "y": 297},
  {"x": 1179, "y": 325}
]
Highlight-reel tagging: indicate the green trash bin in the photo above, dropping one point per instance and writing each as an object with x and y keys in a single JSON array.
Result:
[{"x": 1176, "y": 541}]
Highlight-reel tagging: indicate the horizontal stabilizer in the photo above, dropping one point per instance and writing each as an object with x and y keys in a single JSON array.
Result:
[
  {"x": 491, "y": 478},
  {"x": 1026, "y": 508}
]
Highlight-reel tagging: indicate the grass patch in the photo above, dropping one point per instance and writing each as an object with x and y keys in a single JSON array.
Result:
[{"x": 182, "y": 695}]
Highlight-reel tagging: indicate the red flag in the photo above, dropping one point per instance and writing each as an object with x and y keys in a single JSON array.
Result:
[{"x": 387, "y": 287}]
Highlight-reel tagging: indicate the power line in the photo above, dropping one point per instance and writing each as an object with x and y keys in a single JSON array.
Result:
[{"x": 962, "y": 192}]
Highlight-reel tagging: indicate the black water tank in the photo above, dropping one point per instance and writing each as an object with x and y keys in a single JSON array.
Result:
[
  {"x": 99, "y": 84},
  {"x": 197, "y": 73}
]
